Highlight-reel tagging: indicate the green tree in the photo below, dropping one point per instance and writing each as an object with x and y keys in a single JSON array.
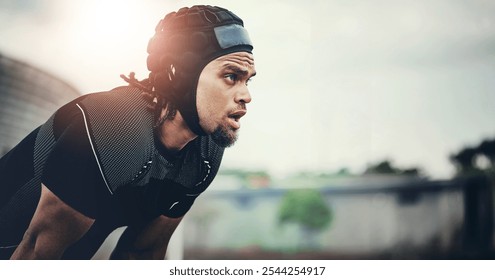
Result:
[
  {"x": 487, "y": 148},
  {"x": 386, "y": 167},
  {"x": 464, "y": 160},
  {"x": 308, "y": 209}
]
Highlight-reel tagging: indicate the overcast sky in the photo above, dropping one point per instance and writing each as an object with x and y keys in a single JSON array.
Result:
[{"x": 340, "y": 83}]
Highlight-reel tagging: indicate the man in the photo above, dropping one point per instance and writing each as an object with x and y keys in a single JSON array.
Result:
[{"x": 137, "y": 155}]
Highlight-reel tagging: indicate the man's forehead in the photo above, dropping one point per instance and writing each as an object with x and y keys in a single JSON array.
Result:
[{"x": 242, "y": 59}]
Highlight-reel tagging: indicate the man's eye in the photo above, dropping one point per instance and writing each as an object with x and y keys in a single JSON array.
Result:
[
  {"x": 248, "y": 81},
  {"x": 232, "y": 77}
]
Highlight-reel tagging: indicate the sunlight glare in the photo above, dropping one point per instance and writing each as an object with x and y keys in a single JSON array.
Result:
[{"x": 104, "y": 25}]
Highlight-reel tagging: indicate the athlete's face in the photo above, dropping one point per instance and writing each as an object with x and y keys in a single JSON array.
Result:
[{"x": 222, "y": 95}]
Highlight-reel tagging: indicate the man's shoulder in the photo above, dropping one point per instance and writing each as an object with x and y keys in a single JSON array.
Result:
[
  {"x": 119, "y": 103},
  {"x": 121, "y": 92},
  {"x": 121, "y": 131}
]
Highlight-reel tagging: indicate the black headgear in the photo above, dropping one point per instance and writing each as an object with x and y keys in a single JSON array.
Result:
[{"x": 184, "y": 42}]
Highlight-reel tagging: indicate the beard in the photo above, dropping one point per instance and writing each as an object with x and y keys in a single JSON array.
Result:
[{"x": 224, "y": 137}]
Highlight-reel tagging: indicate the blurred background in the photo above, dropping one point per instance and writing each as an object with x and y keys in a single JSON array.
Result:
[{"x": 370, "y": 135}]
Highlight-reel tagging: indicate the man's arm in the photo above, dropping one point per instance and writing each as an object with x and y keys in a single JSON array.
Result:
[
  {"x": 53, "y": 228},
  {"x": 147, "y": 242}
]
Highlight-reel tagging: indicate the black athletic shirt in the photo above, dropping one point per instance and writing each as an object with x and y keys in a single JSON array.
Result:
[{"x": 100, "y": 155}]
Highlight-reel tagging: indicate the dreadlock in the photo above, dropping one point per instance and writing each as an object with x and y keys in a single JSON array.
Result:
[{"x": 155, "y": 101}]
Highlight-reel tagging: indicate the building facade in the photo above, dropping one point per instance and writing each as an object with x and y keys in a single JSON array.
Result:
[{"x": 28, "y": 97}]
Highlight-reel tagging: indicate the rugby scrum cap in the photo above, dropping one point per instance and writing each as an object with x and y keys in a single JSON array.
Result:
[{"x": 184, "y": 43}]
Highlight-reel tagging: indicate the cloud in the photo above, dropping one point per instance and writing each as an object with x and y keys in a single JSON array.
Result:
[{"x": 417, "y": 32}]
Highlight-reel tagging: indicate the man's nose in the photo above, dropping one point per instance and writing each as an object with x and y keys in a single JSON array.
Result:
[{"x": 243, "y": 96}]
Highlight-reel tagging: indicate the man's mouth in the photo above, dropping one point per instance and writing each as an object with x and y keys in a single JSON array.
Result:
[{"x": 235, "y": 117}]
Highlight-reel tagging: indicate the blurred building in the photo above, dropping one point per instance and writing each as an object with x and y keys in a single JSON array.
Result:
[
  {"x": 28, "y": 97},
  {"x": 379, "y": 218}
]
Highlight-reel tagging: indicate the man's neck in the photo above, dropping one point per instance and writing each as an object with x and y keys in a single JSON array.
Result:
[{"x": 175, "y": 134}]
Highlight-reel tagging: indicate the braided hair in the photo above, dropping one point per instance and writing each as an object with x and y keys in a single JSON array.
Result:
[{"x": 155, "y": 101}]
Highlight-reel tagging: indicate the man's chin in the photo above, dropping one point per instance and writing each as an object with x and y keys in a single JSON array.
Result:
[{"x": 224, "y": 137}]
